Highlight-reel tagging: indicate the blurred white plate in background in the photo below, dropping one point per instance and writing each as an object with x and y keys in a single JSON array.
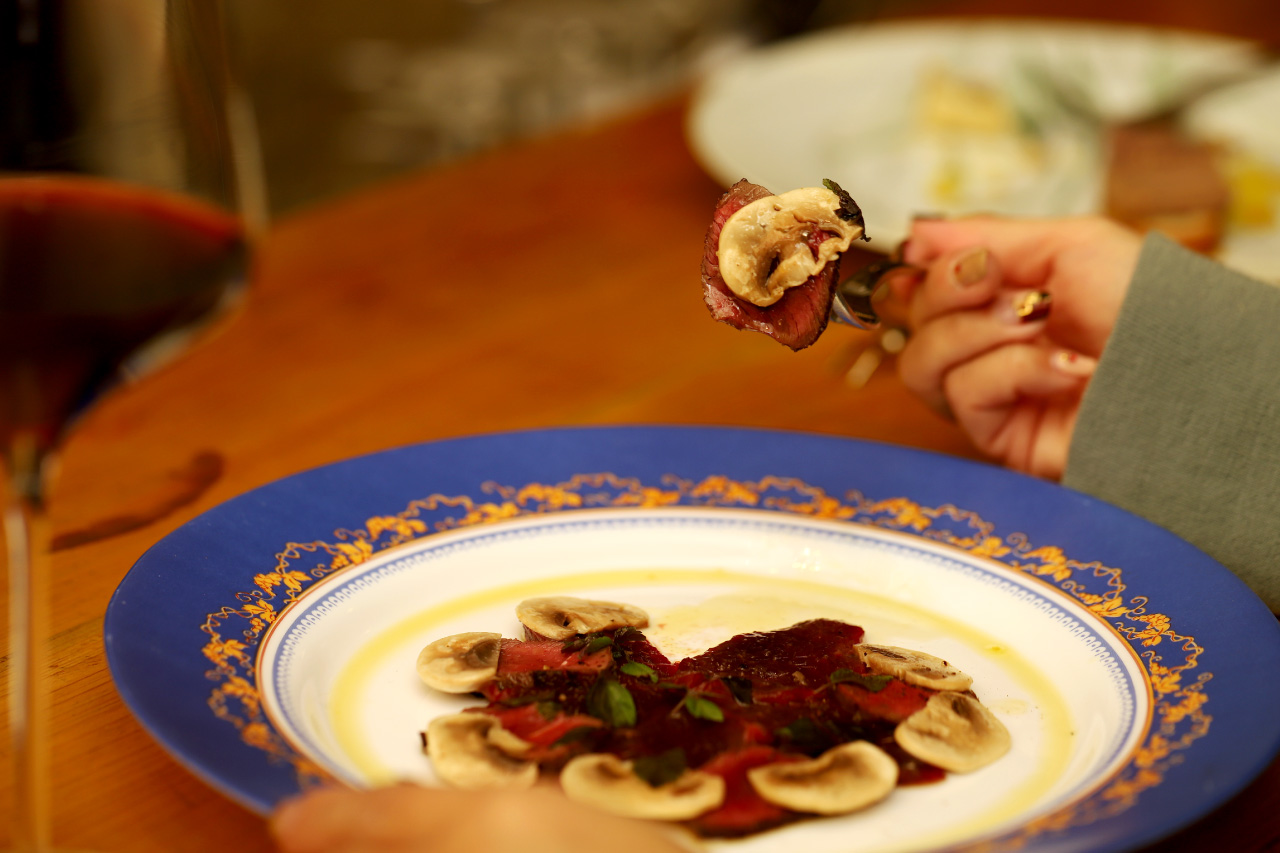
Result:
[
  {"x": 1245, "y": 120},
  {"x": 948, "y": 116}
]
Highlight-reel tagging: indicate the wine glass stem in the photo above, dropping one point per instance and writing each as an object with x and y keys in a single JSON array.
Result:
[{"x": 26, "y": 533}]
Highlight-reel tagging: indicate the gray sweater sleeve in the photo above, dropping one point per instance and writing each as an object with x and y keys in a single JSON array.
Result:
[{"x": 1181, "y": 422}]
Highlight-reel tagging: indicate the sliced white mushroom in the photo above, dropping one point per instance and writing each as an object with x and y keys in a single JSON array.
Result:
[
  {"x": 561, "y": 616},
  {"x": 764, "y": 248},
  {"x": 953, "y": 731},
  {"x": 843, "y": 779},
  {"x": 923, "y": 670},
  {"x": 473, "y": 751},
  {"x": 610, "y": 784},
  {"x": 461, "y": 663}
]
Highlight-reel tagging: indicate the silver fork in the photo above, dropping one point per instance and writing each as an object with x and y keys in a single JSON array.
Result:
[{"x": 853, "y": 303}]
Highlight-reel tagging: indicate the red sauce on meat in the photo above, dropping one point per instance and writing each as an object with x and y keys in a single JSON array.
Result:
[
  {"x": 756, "y": 698},
  {"x": 803, "y": 655},
  {"x": 743, "y": 811}
]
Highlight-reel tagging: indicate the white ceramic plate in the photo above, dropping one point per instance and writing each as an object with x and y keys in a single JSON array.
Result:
[{"x": 339, "y": 664}]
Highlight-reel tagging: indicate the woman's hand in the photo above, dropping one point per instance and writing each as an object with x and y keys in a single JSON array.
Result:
[
  {"x": 412, "y": 819},
  {"x": 983, "y": 350}
]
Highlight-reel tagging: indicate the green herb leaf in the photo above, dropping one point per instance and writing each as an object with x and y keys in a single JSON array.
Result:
[
  {"x": 611, "y": 702},
  {"x": 598, "y": 643},
  {"x": 661, "y": 768},
  {"x": 806, "y": 736},
  {"x": 703, "y": 708},
  {"x": 849, "y": 210},
  {"x": 549, "y": 710},
  {"x": 801, "y": 728},
  {"x": 639, "y": 670},
  {"x": 573, "y": 644},
  {"x": 740, "y": 688},
  {"x": 873, "y": 683}
]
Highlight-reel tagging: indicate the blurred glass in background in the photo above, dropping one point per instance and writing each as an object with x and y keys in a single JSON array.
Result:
[{"x": 350, "y": 92}]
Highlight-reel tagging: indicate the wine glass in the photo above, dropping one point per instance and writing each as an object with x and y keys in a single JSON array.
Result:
[{"x": 128, "y": 191}]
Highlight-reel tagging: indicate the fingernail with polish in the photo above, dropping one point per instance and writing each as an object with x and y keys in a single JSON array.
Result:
[
  {"x": 971, "y": 268},
  {"x": 1031, "y": 306},
  {"x": 1069, "y": 361}
]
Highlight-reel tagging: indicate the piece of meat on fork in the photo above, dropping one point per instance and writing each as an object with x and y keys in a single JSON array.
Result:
[{"x": 771, "y": 262}]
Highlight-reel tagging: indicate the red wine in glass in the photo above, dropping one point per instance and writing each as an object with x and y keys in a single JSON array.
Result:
[
  {"x": 127, "y": 170},
  {"x": 91, "y": 273}
]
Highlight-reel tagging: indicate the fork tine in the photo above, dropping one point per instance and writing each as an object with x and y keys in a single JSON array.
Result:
[{"x": 853, "y": 300}]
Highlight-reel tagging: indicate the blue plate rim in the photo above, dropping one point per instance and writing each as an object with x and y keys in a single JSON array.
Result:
[{"x": 799, "y": 449}]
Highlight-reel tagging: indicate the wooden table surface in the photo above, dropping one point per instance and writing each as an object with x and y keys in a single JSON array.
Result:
[{"x": 552, "y": 283}]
